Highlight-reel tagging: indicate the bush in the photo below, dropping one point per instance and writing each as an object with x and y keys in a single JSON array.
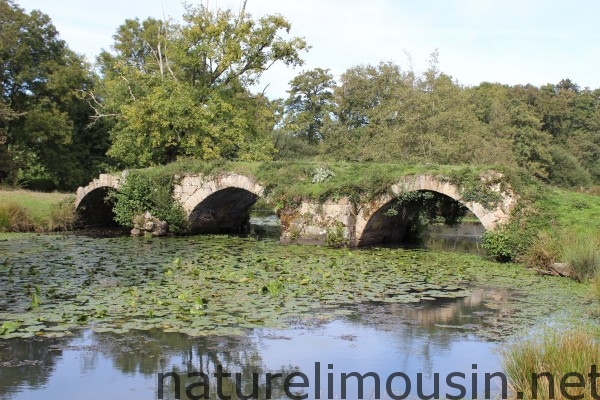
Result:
[
  {"x": 335, "y": 236},
  {"x": 566, "y": 171},
  {"x": 558, "y": 353},
  {"x": 62, "y": 216},
  {"x": 498, "y": 245},
  {"x": 144, "y": 191},
  {"x": 40, "y": 184}
]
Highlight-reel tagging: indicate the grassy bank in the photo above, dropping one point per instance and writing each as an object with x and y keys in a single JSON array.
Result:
[
  {"x": 562, "y": 227},
  {"x": 26, "y": 211}
]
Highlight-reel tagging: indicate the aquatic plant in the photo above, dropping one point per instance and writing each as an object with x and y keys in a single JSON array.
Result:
[{"x": 219, "y": 285}]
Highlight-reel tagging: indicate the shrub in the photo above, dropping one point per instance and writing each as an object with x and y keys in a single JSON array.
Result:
[
  {"x": 40, "y": 184},
  {"x": 557, "y": 353},
  {"x": 335, "y": 236},
  {"x": 498, "y": 245},
  {"x": 143, "y": 191},
  {"x": 566, "y": 171}
]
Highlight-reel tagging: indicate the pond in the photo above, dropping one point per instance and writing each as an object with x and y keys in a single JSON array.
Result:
[{"x": 96, "y": 318}]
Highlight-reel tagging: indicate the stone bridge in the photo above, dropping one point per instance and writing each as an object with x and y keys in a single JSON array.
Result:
[{"x": 221, "y": 204}]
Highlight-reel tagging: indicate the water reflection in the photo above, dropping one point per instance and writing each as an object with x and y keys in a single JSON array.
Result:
[
  {"x": 465, "y": 237},
  {"x": 428, "y": 338}
]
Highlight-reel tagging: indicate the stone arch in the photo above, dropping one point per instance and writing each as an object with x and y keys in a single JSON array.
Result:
[
  {"x": 218, "y": 204},
  {"x": 369, "y": 216},
  {"x": 91, "y": 204}
]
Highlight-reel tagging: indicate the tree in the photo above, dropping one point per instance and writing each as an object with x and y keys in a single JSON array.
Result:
[
  {"x": 309, "y": 105},
  {"x": 43, "y": 117},
  {"x": 183, "y": 90},
  {"x": 385, "y": 114}
]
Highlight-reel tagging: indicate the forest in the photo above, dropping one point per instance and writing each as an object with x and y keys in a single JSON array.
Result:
[{"x": 169, "y": 90}]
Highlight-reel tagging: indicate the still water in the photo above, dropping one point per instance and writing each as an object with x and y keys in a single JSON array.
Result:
[
  {"x": 426, "y": 340},
  {"x": 413, "y": 339}
]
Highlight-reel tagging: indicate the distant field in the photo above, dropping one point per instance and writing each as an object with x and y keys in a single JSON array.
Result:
[
  {"x": 37, "y": 203},
  {"x": 25, "y": 211}
]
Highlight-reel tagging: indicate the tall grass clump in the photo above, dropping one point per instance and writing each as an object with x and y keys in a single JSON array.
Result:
[
  {"x": 15, "y": 218},
  {"x": 62, "y": 216},
  {"x": 555, "y": 353},
  {"x": 544, "y": 250},
  {"x": 583, "y": 254}
]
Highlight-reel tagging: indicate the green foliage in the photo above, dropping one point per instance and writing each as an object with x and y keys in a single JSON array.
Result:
[
  {"x": 9, "y": 327},
  {"x": 477, "y": 188},
  {"x": 499, "y": 245},
  {"x": 24, "y": 213},
  {"x": 322, "y": 174},
  {"x": 36, "y": 298},
  {"x": 424, "y": 208},
  {"x": 183, "y": 90},
  {"x": 14, "y": 218},
  {"x": 309, "y": 105},
  {"x": 545, "y": 250},
  {"x": 290, "y": 147},
  {"x": 44, "y": 131},
  {"x": 148, "y": 191},
  {"x": 335, "y": 237},
  {"x": 274, "y": 288},
  {"x": 385, "y": 114},
  {"x": 62, "y": 216},
  {"x": 566, "y": 171}
]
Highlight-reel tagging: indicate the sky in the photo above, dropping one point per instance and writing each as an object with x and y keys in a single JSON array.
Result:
[{"x": 504, "y": 41}]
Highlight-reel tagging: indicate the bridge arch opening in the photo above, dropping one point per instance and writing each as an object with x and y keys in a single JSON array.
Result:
[
  {"x": 95, "y": 210},
  {"x": 404, "y": 219},
  {"x": 226, "y": 211}
]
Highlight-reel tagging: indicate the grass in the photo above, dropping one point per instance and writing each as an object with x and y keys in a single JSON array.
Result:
[
  {"x": 26, "y": 211},
  {"x": 288, "y": 181},
  {"x": 583, "y": 254},
  {"x": 578, "y": 213},
  {"x": 558, "y": 353},
  {"x": 565, "y": 226}
]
